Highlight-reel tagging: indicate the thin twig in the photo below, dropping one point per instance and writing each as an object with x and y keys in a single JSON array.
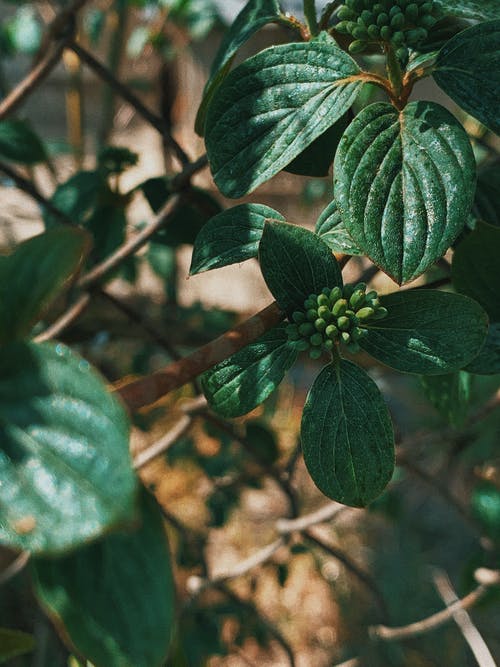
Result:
[
  {"x": 469, "y": 631},
  {"x": 163, "y": 445},
  {"x": 326, "y": 513},
  {"x": 354, "y": 662},
  {"x": 106, "y": 75},
  {"x": 15, "y": 567},
  {"x": 67, "y": 318}
]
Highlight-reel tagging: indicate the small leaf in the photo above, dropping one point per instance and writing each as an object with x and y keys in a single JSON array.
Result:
[
  {"x": 427, "y": 332},
  {"x": 404, "y": 184},
  {"x": 475, "y": 268},
  {"x": 347, "y": 436},
  {"x": 65, "y": 470},
  {"x": 449, "y": 394},
  {"x": 19, "y": 143},
  {"x": 333, "y": 231},
  {"x": 244, "y": 380},
  {"x": 263, "y": 441},
  {"x": 295, "y": 262},
  {"x": 14, "y": 643},
  {"x": 317, "y": 158},
  {"x": 276, "y": 92},
  {"x": 468, "y": 70},
  {"x": 485, "y": 504},
  {"x": 34, "y": 274},
  {"x": 77, "y": 197},
  {"x": 254, "y": 16},
  {"x": 114, "y": 599},
  {"x": 480, "y": 10},
  {"x": 487, "y": 361},
  {"x": 231, "y": 236},
  {"x": 486, "y": 200}
]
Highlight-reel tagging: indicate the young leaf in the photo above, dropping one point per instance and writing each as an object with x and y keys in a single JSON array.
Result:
[
  {"x": 486, "y": 200},
  {"x": 404, "y": 184},
  {"x": 277, "y": 92},
  {"x": 65, "y": 471},
  {"x": 449, "y": 394},
  {"x": 485, "y": 504},
  {"x": 333, "y": 231},
  {"x": 34, "y": 274},
  {"x": 427, "y": 332},
  {"x": 295, "y": 263},
  {"x": 14, "y": 643},
  {"x": 244, "y": 380},
  {"x": 231, "y": 237},
  {"x": 19, "y": 143},
  {"x": 254, "y": 16},
  {"x": 475, "y": 268},
  {"x": 347, "y": 436},
  {"x": 468, "y": 70},
  {"x": 115, "y": 598},
  {"x": 487, "y": 361},
  {"x": 480, "y": 10},
  {"x": 77, "y": 197}
]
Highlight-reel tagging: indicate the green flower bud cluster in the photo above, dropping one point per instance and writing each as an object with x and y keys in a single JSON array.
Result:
[
  {"x": 335, "y": 316},
  {"x": 403, "y": 23}
]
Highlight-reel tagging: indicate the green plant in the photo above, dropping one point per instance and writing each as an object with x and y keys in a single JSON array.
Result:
[{"x": 409, "y": 184}]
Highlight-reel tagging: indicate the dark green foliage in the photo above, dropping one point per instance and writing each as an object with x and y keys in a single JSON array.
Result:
[
  {"x": 449, "y": 394},
  {"x": 14, "y": 643},
  {"x": 332, "y": 230},
  {"x": 19, "y": 143}
]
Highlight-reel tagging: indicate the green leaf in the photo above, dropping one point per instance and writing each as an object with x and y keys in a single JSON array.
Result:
[
  {"x": 468, "y": 70},
  {"x": 317, "y": 158},
  {"x": 427, "y": 332},
  {"x": 449, "y": 394},
  {"x": 231, "y": 236},
  {"x": 77, "y": 197},
  {"x": 347, "y": 437},
  {"x": 486, "y": 200},
  {"x": 65, "y": 470},
  {"x": 276, "y": 92},
  {"x": 254, "y": 16},
  {"x": 115, "y": 598},
  {"x": 475, "y": 268},
  {"x": 485, "y": 504},
  {"x": 34, "y": 274},
  {"x": 404, "y": 184},
  {"x": 14, "y": 643},
  {"x": 244, "y": 380},
  {"x": 481, "y": 10},
  {"x": 333, "y": 231},
  {"x": 295, "y": 263},
  {"x": 107, "y": 225},
  {"x": 262, "y": 441},
  {"x": 487, "y": 361},
  {"x": 19, "y": 143}
]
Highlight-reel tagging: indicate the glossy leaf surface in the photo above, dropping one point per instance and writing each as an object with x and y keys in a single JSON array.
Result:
[
  {"x": 404, "y": 184},
  {"x": 480, "y": 10},
  {"x": 288, "y": 96},
  {"x": 244, "y": 380},
  {"x": 468, "y": 70},
  {"x": 231, "y": 236},
  {"x": 115, "y": 598},
  {"x": 333, "y": 232},
  {"x": 65, "y": 469},
  {"x": 295, "y": 263},
  {"x": 427, "y": 332},
  {"x": 347, "y": 437},
  {"x": 34, "y": 274}
]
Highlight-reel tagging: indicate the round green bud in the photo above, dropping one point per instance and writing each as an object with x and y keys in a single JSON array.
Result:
[
  {"x": 353, "y": 347},
  {"x": 397, "y": 21},
  {"x": 336, "y": 293},
  {"x": 299, "y": 317},
  {"x": 427, "y": 8},
  {"x": 411, "y": 12},
  {"x": 316, "y": 339},
  {"x": 415, "y": 36},
  {"x": 372, "y": 294},
  {"x": 357, "y": 299},
  {"x": 358, "y": 46},
  {"x": 365, "y": 313},
  {"x": 320, "y": 324},
  {"x": 342, "y": 27},
  {"x": 301, "y": 345},
  {"x": 403, "y": 55},
  {"x": 380, "y": 313},
  {"x": 427, "y": 22},
  {"x": 292, "y": 332},
  {"x": 315, "y": 353},
  {"x": 373, "y": 303},
  {"x": 324, "y": 312},
  {"x": 329, "y": 345},
  {"x": 357, "y": 333},
  {"x": 323, "y": 300},
  {"x": 346, "y": 14},
  {"x": 326, "y": 291},
  {"x": 378, "y": 8},
  {"x": 309, "y": 303},
  {"x": 352, "y": 316},
  {"x": 398, "y": 37},
  {"x": 331, "y": 331},
  {"x": 346, "y": 337},
  {"x": 312, "y": 314},
  {"x": 360, "y": 33},
  {"x": 344, "y": 323},
  {"x": 339, "y": 307},
  {"x": 386, "y": 33},
  {"x": 373, "y": 31},
  {"x": 382, "y": 19},
  {"x": 368, "y": 17},
  {"x": 394, "y": 11},
  {"x": 306, "y": 329},
  {"x": 360, "y": 287}
]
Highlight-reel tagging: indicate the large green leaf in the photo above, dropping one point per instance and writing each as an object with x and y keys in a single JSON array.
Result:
[
  {"x": 114, "y": 599},
  {"x": 475, "y": 269},
  {"x": 347, "y": 436},
  {"x": 487, "y": 361},
  {"x": 65, "y": 469},
  {"x": 404, "y": 184},
  {"x": 19, "y": 143},
  {"x": 254, "y": 16},
  {"x": 468, "y": 70},
  {"x": 14, "y": 643},
  {"x": 486, "y": 200},
  {"x": 481, "y": 10},
  {"x": 295, "y": 263},
  {"x": 427, "y": 332},
  {"x": 231, "y": 237},
  {"x": 333, "y": 232},
  {"x": 244, "y": 380},
  {"x": 34, "y": 274},
  {"x": 449, "y": 394},
  {"x": 272, "y": 107}
]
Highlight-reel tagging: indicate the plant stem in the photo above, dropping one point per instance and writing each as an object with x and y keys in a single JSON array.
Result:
[
  {"x": 394, "y": 70},
  {"x": 310, "y": 16}
]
